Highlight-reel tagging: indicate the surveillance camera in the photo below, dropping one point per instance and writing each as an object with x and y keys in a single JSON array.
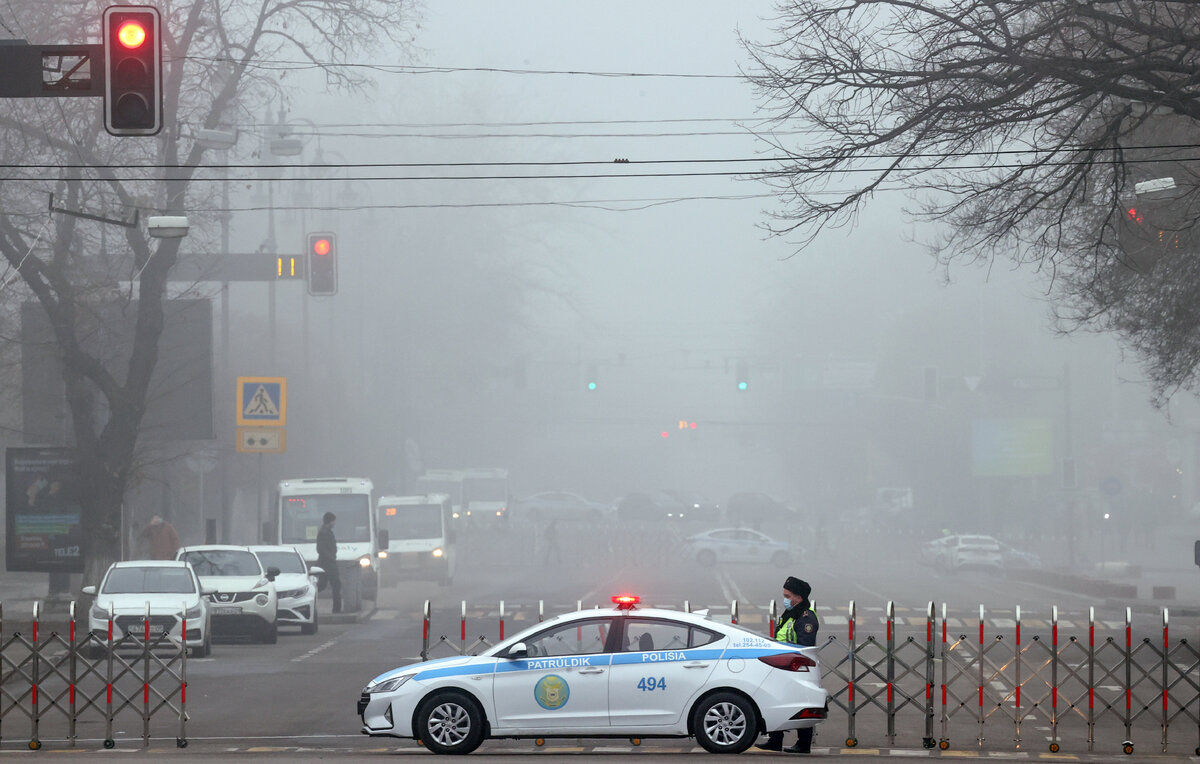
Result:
[{"x": 167, "y": 226}]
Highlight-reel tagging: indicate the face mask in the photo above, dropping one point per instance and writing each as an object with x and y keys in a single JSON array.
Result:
[{"x": 784, "y": 605}]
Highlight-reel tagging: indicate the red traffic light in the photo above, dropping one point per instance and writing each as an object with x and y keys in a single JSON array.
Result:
[
  {"x": 1134, "y": 215},
  {"x": 321, "y": 247},
  {"x": 131, "y": 34}
]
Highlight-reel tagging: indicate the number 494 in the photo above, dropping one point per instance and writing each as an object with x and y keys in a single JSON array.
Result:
[{"x": 650, "y": 684}]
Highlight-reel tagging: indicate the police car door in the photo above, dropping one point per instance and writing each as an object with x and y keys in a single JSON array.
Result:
[
  {"x": 662, "y": 665},
  {"x": 561, "y": 684}
]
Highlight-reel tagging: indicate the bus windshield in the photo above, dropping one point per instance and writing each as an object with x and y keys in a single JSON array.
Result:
[
  {"x": 301, "y": 517},
  {"x": 452, "y": 488},
  {"x": 412, "y": 521}
]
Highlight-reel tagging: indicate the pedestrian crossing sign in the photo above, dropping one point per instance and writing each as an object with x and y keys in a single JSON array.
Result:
[{"x": 262, "y": 401}]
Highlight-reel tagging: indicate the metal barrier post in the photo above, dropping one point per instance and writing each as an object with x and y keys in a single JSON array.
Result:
[
  {"x": 181, "y": 741},
  {"x": 1054, "y": 680},
  {"x": 1128, "y": 743},
  {"x": 1166, "y": 690},
  {"x": 1017, "y": 680},
  {"x": 687, "y": 606},
  {"x": 929, "y": 620},
  {"x": 1091, "y": 717},
  {"x": 108, "y": 704},
  {"x": 146, "y": 678},
  {"x": 771, "y": 610},
  {"x": 74, "y": 678},
  {"x": 541, "y": 611},
  {"x": 733, "y": 613},
  {"x": 1, "y": 643},
  {"x": 425, "y": 632},
  {"x": 501, "y": 620},
  {"x": 851, "y": 740},
  {"x": 979, "y": 659},
  {"x": 945, "y": 741},
  {"x": 891, "y": 672},
  {"x": 35, "y": 741},
  {"x": 463, "y": 628}
]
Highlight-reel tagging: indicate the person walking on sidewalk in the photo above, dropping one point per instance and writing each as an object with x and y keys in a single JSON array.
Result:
[
  {"x": 160, "y": 538},
  {"x": 798, "y": 626},
  {"x": 327, "y": 558}
]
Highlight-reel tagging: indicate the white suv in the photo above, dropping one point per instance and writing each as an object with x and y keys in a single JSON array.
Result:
[
  {"x": 295, "y": 585},
  {"x": 243, "y": 599}
]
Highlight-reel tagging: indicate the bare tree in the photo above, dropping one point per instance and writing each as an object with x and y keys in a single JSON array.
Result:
[
  {"x": 1017, "y": 124},
  {"x": 224, "y": 60}
]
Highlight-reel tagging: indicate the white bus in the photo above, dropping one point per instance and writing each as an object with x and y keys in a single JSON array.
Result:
[
  {"x": 485, "y": 493},
  {"x": 420, "y": 540},
  {"x": 302, "y": 504}
]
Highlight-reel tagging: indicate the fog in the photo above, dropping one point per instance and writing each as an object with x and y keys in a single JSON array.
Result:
[{"x": 471, "y": 314}]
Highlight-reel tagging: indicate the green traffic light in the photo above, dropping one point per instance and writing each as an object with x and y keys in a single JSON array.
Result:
[
  {"x": 591, "y": 385},
  {"x": 742, "y": 385}
]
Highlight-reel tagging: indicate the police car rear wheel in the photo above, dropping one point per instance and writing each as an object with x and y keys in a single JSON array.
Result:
[
  {"x": 450, "y": 722},
  {"x": 724, "y": 723}
]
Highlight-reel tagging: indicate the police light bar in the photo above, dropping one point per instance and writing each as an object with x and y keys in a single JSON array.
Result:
[{"x": 625, "y": 601}]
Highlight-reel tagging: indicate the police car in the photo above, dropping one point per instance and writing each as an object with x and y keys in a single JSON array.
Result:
[{"x": 622, "y": 672}]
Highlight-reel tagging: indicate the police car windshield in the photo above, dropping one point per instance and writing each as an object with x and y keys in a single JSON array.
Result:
[
  {"x": 287, "y": 562},
  {"x": 149, "y": 580},
  {"x": 302, "y": 517},
  {"x": 412, "y": 521}
]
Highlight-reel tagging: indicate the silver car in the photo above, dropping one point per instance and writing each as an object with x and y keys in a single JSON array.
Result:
[
  {"x": 295, "y": 585},
  {"x": 738, "y": 545}
]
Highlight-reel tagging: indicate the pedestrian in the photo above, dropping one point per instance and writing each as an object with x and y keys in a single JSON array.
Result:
[
  {"x": 550, "y": 544},
  {"x": 798, "y": 626},
  {"x": 327, "y": 558},
  {"x": 162, "y": 542}
]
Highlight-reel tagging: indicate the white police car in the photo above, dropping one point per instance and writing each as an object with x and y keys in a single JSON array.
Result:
[{"x": 622, "y": 672}]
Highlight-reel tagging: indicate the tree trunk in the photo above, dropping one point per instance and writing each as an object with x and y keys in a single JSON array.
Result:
[{"x": 100, "y": 502}]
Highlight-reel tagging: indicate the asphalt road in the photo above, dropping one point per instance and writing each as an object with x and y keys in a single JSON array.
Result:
[{"x": 297, "y": 698}]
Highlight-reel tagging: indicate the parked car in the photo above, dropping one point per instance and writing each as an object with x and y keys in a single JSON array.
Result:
[
  {"x": 604, "y": 673},
  {"x": 695, "y": 506},
  {"x": 649, "y": 506},
  {"x": 243, "y": 600},
  {"x": 1018, "y": 559},
  {"x": 558, "y": 505},
  {"x": 758, "y": 510},
  {"x": 169, "y": 588},
  {"x": 738, "y": 545},
  {"x": 295, "y": 586}
]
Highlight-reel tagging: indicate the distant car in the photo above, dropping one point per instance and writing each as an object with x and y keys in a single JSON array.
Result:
[
  {"x": 727, "y": 545},
  {"x": 970, "y": 552},
  {"x": 244, "y": 599},
  {"x": 558, "y": 505},
  {"x": 694, "y": 506},
  {"x": 295, "y": 586},
  {"x": 1014, "y": 558},
  {"x": 933, "y": 552},
  {"x": 169, "y": 588},
  {"x": 604, "y": 673},
  {"x": 652, "y": 506}
]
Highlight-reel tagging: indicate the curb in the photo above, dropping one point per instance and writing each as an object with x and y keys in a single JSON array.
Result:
[{"x": 355, "y": 617}]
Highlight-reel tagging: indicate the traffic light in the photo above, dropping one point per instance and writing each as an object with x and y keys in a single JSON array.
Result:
[
  {"x": 742, "y": 376},
  {"x": 591, "y": 380},
  {"x": 322, "y": 264},
  {"x": 133, "y": 69}
]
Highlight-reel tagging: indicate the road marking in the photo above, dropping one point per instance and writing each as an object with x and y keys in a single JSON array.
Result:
[{"x": 315, "y": 651}]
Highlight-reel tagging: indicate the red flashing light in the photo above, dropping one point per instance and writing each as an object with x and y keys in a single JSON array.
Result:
[
  {"x": 666, "y": 434},
  {"x": 692, "y": 425},
  {"x": 789, "y": 661},
  {"x": 625, "y": 601},
  {"x": 131, "y": 35},
  {"x": 1134, "y": 215},
  {"x": 321, "y": 247}
]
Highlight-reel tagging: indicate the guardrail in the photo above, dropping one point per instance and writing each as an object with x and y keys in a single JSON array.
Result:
[
  {"x": 47, "y": 677},
  {"x": 996, "y": 673}
]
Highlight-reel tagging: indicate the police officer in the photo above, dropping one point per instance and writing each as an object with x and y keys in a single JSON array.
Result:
[
  {"x": 327, "y": 558},
  {"x": 798, "y": 626}
]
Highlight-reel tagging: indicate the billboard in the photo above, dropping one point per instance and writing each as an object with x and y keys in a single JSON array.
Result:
[
  {"x": 43, "y": 518},
  {"x": 1012, "y": 447}
]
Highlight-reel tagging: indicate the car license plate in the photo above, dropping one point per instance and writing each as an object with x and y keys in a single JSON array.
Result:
[{"x": 227, "y": 611}]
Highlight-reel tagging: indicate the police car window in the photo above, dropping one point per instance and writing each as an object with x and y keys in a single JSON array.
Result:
[
  {"x": 699, "y": 637},
  {"x": 575, "y": 638},
  {"x": 644, "y": 635}
]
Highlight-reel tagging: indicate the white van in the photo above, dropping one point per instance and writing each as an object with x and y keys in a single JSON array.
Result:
[
  {"x": 420, "y": 540},
  {"x": 302, "y": 504},
  {"x": 448, "y": 482}
]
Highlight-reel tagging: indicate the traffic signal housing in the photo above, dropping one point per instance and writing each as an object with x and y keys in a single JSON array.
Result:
[
  {"x": 322, "y": 264},
  {"x": 133, "y": 70}
]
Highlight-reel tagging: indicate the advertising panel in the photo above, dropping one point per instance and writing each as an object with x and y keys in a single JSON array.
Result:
[{"x": 43, "y": 518}]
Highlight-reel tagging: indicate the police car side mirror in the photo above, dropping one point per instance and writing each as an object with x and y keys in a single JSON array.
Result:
[
  {"x": 91, "y": 590},
  {"x": 519, "y": 650}
]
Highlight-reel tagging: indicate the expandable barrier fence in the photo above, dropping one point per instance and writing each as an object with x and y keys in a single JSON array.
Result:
[
  {"x": 72, "y": 678},
  {"x": 1054, "y": 682}
]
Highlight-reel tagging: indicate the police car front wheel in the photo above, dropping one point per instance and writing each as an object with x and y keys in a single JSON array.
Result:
[
  {"x": 725, "y": 723},
  {"x": 450, "y": 722}
]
